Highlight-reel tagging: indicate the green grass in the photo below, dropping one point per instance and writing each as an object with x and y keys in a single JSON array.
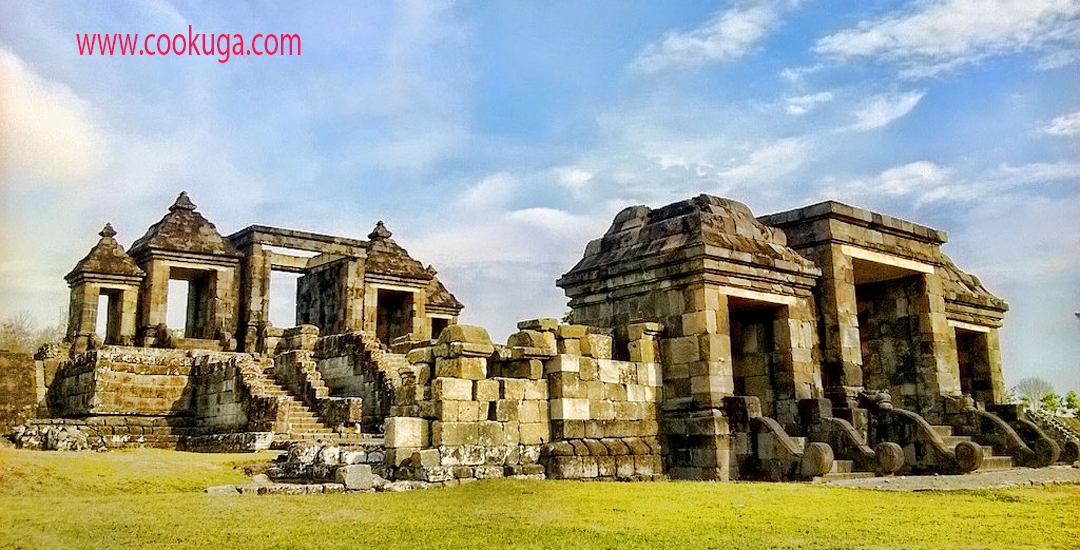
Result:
[{"x": 153, "y": 499}]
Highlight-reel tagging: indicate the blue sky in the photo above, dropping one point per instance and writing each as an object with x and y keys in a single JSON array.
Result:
[{"x": 496, "y": 138}]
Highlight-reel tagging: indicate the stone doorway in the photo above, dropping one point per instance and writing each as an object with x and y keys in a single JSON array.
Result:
[{"x": 394, "y": 316}]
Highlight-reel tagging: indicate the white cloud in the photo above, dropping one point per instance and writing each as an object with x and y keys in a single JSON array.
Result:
[
  {"x": 796, "y": 74},
  {"x": 45, "y": 128},
  {"x": 939, "y": 35},
  {"x": 880, "y": 110},
  {"x": 767, "y": 163},
  {"x": 573, "y": 178},
  {"x": 924, "y": 182},
  {"x": 1064, "y": 125},
  {"x": 491, "y": 191},
  {"x": 804, "y": 104},
  {"x": 727, "y": 36}
]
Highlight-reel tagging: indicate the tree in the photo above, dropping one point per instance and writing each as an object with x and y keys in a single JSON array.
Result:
[
  {"x": 1072, "y": 403},
  {"x": 1050, "y": 403},
  {"x": 17, "y": 332},
  {"x": 1033, "y": 389}
]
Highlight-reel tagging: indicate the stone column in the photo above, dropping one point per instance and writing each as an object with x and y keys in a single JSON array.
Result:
[
  {"x": 841, "y": 352},
  {"x": 797, "y": 376},
  {"x": 153, "y": 298},
  {"x": 937, "y": 363},
  {"x": 254, "y": 292}
]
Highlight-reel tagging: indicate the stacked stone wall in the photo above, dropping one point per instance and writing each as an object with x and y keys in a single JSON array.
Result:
[{"x": 18, "y": 389}]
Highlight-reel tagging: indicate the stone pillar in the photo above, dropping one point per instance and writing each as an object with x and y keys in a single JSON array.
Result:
[
  {"x": 254, "y": 292},
  {"x": 129, "y": 302},
  {"x": 797, "y": 375},
  {"x": 937, "y": 362},
  {"x": 82, "y": 310},
  {"x": 153, "y": 298},
  {"x": 993, "y": 360},
  {"x": 841, "y": 352}
]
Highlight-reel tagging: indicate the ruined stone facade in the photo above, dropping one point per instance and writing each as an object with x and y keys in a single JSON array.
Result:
[{"x": 705, "y": 344}]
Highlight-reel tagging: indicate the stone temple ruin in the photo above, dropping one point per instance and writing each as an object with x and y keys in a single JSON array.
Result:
[{"x": 705, "y": 344}]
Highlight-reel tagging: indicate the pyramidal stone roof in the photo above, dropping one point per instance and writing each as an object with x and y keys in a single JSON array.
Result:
[
  {"x": 438, "y": 295},
  {"x": 727, "y": 226},
  {"x": 184, "y": 229},
  {"x": 106, "y": 258},
  {"x": 966, "y": 288},
  {"x": 386, "y": 257}
]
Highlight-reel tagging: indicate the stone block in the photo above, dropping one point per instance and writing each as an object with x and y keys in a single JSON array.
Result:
[
  {"x": 506, "y": 410},
  {"x": 635, "y": 393},
  {"x": 562, "y": 363},
  {"x": 533, "y": 433},
  {"x": 489, "y": 433},
  {"x": 643, "y": 351},
  {"x": 407, "y": 432},
  {"x": 543, "y": 324},
  {"x": 465, "y": 333},
  {"x": 609, "y": 371},
  {"x": 615, "y": 392},
  {"x": 448, "y": 389},
  {"x": 569, "y": 346},
  {"x": 470, "y": 368},
  {"x": 421, "y": 355},
  {"x": 572, "y": 331},
  {"x": 569, "y": 409},
  {"x": 536, "y": 389},
  {"x": 597, "y": 346},
  {"x": 650, "y": 374},
  {"x": 513, "y": 388},
  {"x": 356, "y": 477},
  {"x": 565, "y": 467},
  {"x": 681, "y": 350},
  {"x": 624, "y": 466},
  {"x": 524, "y": 368},
  {"x": 486, "y": 390},
  {"x": 594, "y": 389},
  {"x": 532, "y": 339},
  {"x": 453, "y": 433},
  {"x": 563, "y": 385}
]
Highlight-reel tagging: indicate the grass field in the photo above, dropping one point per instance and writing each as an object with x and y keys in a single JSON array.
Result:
[{"x": 153, "y": 499}]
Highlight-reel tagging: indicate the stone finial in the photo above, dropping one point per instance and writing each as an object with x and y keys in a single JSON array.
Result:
[
  {"x": 430, "y": 269},
  {"x": 107, "y": 232},
  {"x": 182, "y": 203},
  {"x": 380, "y": 231}
]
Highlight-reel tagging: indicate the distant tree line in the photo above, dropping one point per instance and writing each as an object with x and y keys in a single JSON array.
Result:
[
  {"x": 1038, "y": 394},
  {"x": 20, "y": 333}
]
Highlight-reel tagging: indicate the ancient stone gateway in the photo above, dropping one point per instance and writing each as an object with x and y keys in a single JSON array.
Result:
[{"x": 705, "y": 344}]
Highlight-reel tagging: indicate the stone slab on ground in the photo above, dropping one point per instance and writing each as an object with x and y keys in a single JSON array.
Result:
[{"x": 992, "y": 479}]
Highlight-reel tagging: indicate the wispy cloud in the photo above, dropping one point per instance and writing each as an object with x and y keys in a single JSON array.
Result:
[
  {"x": 45, "y": 128},
  {"x": 924, "y": 182},
  {"x": 768, "y": 162},
  {"x": 879, "y": 110},
  {"x": 729, "y": 35},
  {"x": 1064, "y": 125},
  {"x": 804, "y": 104},
  {"x": 940, "y": 35}
]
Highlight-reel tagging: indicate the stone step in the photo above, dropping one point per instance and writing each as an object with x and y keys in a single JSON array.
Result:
[
  {"x": 951, "y": 441},
  {"x": 838, "y": 476},
  {"x": 800, "y": 443},
  {"x": 842, "y": 467},
  {"x": 943, "y": 431},
  {"x": 997, "y": 463}
]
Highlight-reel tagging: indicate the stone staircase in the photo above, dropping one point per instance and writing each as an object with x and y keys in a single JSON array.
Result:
[
  {"x": 305, "y": 425},
  {"x": 990, "y": 460},
  {"x": 841, "y": 469}
]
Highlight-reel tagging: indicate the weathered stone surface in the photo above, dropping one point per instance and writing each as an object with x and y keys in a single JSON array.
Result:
[{"x": 355, "y": 477}]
